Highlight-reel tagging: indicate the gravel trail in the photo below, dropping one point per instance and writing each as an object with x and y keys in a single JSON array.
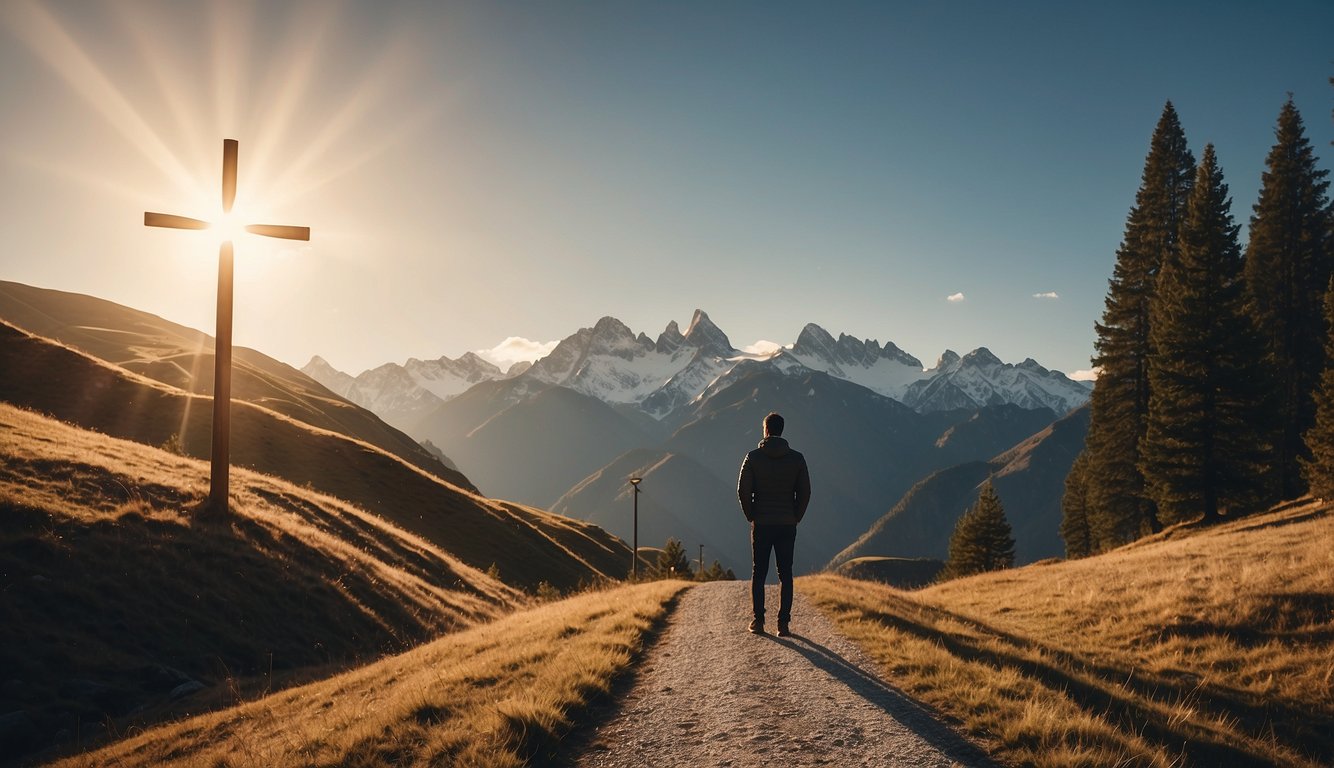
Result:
[{"x": 712, "y": 694}]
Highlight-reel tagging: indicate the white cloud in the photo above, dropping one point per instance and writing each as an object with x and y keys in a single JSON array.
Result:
[
  {"x": 762, "y": 347},
  {"x": 1047, "y": 295},
  {"x": 955, "y": 297},
  {"x": 1085, "y": 375},
  {"x": 516, "y": 349}
]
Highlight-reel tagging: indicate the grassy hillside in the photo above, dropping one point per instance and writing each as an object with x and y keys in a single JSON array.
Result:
[
  {"x": 527, "y": 545},
  {"x": 1200, "y": 646},
  {"x": 115, "y": 594},
  {"x": 182, "y": 358},
  {"x": 499, "y": 695}
]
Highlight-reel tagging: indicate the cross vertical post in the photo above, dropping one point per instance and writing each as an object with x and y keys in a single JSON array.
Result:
[
  {"x": 219, "y": 482},
  {"x": 220, "y": 458}
]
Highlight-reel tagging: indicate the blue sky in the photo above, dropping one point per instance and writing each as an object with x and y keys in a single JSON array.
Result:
[{"x": 473, "y": 171}]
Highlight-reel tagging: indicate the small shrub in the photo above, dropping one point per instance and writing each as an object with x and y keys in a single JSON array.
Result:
[{"x": 173, "y": 444}]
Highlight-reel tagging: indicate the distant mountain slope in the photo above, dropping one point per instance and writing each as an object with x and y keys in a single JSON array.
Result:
[
  {"x": 117, "y": 598},
  {"x": 46, "y": 376},
  {"x": 1029, "y": 478},
  {"x": 988, "y": 431},
  {"x": 679, "y": 498},
  {"x": 921, "y": 522},
  {"x": 403, "y": 394},
  {"x": 529, "y": 441},
  {"x": 864, "y": 450},
  {"x": 1031, "y": 481},
  {"x": 183, "y": 357}
]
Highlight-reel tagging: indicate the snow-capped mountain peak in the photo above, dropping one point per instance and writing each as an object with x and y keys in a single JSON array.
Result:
[
  {"x": 704, "y": 334},
  {"x": 886, "y": 370},
  {"x": 980, "y": 378},
  {"x": 670, "y": 339},
  {"x": 613, "y": 363}
]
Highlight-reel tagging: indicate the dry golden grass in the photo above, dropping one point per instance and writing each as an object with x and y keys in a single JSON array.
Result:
[
  {"x": 1202, "y": 646},
  {"x": 501, "y": 694},
  {"x": 108, "y": 574}
]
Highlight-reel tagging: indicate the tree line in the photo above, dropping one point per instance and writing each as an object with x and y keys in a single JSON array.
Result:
[{"x": 1215, "y": 390}]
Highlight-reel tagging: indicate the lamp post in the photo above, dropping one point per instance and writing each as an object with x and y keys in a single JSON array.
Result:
[
  {"x": 634, "y": 555},
  {"x": 701, "y": 559}
]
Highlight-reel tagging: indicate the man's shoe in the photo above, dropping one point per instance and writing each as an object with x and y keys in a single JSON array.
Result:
[
  {"x": 756, "y": 626},
  {"x": 784, "y": 630}
]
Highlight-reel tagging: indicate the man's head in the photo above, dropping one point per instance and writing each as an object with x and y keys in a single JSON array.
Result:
[{"x": 773, "y": 425}]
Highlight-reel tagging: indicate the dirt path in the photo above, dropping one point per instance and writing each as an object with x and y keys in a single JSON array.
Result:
[{"x": 711, "y": 694}]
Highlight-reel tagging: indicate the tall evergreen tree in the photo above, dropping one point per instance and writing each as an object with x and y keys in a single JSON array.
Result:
[
  {"x": 1202, "y": 450},
  {"x": 1318, "y": 470},
  {"x": 982, "y": 539},
  {"x": 1074, "y": 510},
  {"x": 1288, "y": 264},
  {"x": 1119, "y": 510}
]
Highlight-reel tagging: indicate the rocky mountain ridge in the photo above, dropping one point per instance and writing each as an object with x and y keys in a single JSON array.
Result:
[{"x": 659, "y": 377}]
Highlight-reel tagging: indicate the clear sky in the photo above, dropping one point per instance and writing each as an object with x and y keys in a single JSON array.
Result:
[{"x": 474, "y": 171}]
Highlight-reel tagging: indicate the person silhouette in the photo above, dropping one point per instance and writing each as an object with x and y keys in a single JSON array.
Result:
[{"x": 774, "y": 489}]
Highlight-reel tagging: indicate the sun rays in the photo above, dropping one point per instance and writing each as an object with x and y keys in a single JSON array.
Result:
[{"x": 182, "y": 79}]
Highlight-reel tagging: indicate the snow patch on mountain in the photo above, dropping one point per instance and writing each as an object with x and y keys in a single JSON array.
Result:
[
  {"x": 886, "y": 370},
  {"x": 612, "y": 363},
  {"x": 980, "y": 378}
]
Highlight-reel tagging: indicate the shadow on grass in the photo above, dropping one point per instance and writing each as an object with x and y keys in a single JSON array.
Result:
[
  {"x": 1126, "y": 696},
  {"x": 913, "y": 715}
]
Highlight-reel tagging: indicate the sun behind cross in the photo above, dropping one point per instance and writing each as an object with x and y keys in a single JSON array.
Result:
[{"x": 219, "y": 477}]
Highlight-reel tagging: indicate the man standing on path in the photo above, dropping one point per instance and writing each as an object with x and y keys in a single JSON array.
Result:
[{"x": 774, "y": 489}]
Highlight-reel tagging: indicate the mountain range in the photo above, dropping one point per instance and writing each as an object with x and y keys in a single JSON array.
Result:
[
  {"x": 608, "y": 403},
  {"x": 661, "y": 377}
]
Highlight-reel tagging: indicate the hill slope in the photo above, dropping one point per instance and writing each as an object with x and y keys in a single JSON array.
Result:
[
  {"x": 116, "y": 595},
  {"x": 529, "y": 546},
  {"x": 500, "y": 695},
  {"x": 1199, "y": 646},
  {"x": 182, "y": 357}
]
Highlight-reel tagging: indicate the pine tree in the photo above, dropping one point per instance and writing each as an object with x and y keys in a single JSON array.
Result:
[
  {"x": 1203, "y": 449},
  {"x": 1288, "y": 264},
  {"x": 982, "y": 539},
  {"x": 1074, "y": 510},
  {"x": 1119, "y": 509},
  {"x": 673, "y": 561},
  {"x": 715, "y": 572},
  {"x": 1318, "y": 470}
]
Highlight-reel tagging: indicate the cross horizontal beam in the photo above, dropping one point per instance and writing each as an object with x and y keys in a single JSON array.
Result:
[
  {"x": 173, "y": 221},
  {"x": 279, "y": 230}
]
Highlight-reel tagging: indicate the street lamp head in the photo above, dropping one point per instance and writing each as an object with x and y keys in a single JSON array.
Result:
[{"x": 635, "y": 481}]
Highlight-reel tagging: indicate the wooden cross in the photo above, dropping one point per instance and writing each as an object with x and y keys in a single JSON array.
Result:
[{"x": 222, "y": 357}]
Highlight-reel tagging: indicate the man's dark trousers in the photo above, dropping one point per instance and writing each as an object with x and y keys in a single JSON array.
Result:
[{"x": 782, "y": 539}]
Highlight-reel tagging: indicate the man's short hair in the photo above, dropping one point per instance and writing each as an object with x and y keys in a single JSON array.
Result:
[{"x": 773, "y": 425}]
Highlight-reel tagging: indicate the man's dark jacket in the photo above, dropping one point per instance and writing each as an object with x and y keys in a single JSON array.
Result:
[{"x": 775, "y": 486}]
